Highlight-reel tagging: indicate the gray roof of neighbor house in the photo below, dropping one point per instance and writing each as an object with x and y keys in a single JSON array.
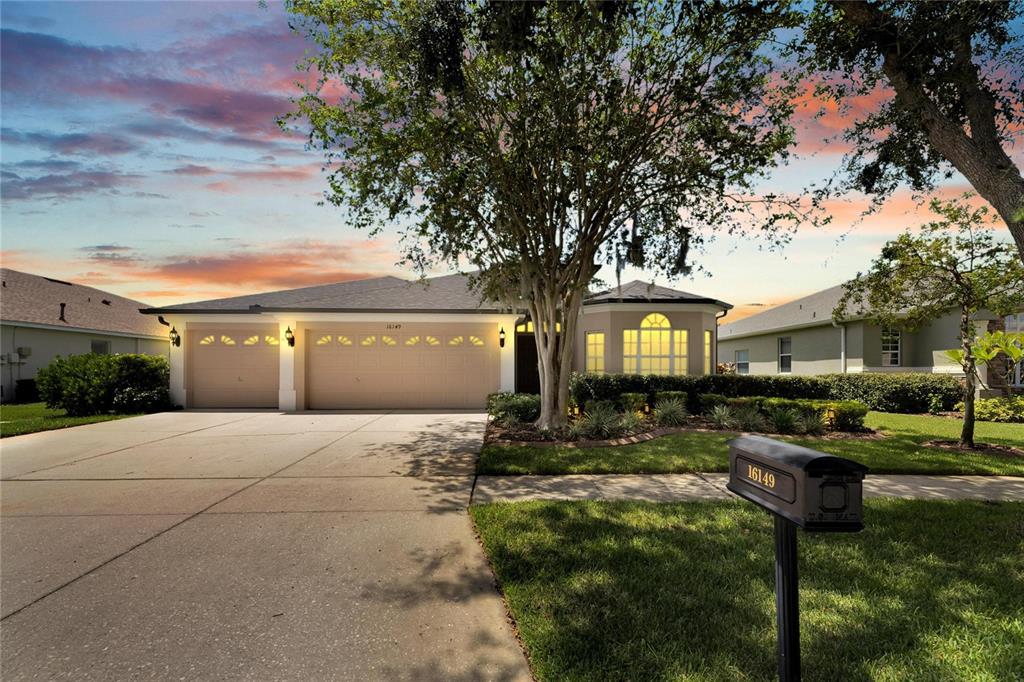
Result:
[
  {"x": 646, "y": 292},
  {"x": 33, "y": 299},
  {"x": 803, "y": 312},
  {"x": 449, "y": 293}
]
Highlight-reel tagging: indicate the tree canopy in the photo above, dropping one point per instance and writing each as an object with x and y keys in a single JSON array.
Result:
[
  {"x": 956, "y": 74},
  {"x": 536, "y": 141}
]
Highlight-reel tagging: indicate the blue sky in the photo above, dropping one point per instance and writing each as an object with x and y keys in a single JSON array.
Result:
[{"x": 140, "y": 155}]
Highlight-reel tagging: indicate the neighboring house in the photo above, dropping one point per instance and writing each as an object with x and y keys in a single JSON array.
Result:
[
  {"x": 390, "y": 343},
  {"x": 41, "y": 318},
  {"x": 800, "y": 337}
]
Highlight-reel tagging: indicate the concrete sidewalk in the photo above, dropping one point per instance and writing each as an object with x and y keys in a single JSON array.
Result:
[{"x": 683, "y": 487}]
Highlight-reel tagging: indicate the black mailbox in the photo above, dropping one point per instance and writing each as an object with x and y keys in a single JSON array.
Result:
[{"x": 817, "y": 492}]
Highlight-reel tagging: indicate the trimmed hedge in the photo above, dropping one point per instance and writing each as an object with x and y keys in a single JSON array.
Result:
[
  {"x": 84, "y": 385},
  {"x": 1010, "y": 410},
  {"x": 513, "y": 408},
  {"x": 905, "y": 393}
]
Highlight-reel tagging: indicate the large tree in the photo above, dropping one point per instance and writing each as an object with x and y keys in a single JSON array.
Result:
[
  {"x": 536, "y": 141},
  {"x": 955, "y": 263},
  {"x": 955, "y": 71}
]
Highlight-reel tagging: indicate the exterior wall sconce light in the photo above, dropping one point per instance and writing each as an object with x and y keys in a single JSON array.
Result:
[
  {"x": 175, "y": 337},
  {"x": 289, "y": 336},
  {"x": 501, "y": 338}
]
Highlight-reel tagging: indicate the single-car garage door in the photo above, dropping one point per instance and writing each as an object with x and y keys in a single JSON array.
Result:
[
  {"x": 424, "y": 365},
  {"x": 234, "y": 366}
]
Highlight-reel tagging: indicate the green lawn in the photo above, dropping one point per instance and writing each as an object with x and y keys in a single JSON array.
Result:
[
  {"x": 900, "y": 452},
  {"x": 639, "y": 591},
  {"x": 16, "y": 420}
]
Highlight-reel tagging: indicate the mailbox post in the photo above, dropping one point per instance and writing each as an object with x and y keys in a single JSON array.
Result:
[{"x": 800, "y": 487}]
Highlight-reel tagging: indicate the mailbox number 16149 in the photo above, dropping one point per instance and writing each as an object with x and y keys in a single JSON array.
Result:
[{"x": 765, "y": 478}]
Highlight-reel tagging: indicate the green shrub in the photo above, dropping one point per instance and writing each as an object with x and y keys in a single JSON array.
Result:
[
  {"x": 709, "y": 401},
  {"x": 998, "y": 409},
  {"x": 89, "y": 384},
  {"x": 754, "y": 402},
  {"x": 722, "y": 416},
  {"x": 847, "y": 415},
  {"x": 784, "y": 419},
  {"x": 749, "y": 418},
  {"x": 601, "y": 406},
  {"x": 630, "y": 422},
  {"x": 680, "y": 396},
  {"x": 904, "y": 393},
  {"x": 633, "y": 402},
  {"x": 907, "y": 393},
  {"x": 811, "y": 423},
  {"x": 670, "y": 412},
  {"x": 510, "y": 409},
  {"x": 600, "y": 421}
]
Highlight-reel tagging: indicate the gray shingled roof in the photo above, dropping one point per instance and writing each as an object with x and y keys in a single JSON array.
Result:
[
  {"x": 34, "y": 299},
  {"x": 809, "y": 310},
  {"x": 450, "y": 293},
  {"x": 646, "y": 292}
]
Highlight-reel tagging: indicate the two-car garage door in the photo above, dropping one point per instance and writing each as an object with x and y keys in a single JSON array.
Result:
[
  {"x": 347, "y": 366},
  {"x": 401, "y": 366}
]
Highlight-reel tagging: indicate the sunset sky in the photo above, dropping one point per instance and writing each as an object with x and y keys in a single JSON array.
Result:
[{"x": 140, "y": 155}]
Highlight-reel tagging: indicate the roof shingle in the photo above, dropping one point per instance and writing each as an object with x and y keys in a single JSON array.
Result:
[
  {"x": 34, "y": 299},
  {"x": 638, "y": 291}
]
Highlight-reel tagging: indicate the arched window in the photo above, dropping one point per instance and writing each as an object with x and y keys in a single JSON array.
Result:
[{"x": 654, "y": 348}]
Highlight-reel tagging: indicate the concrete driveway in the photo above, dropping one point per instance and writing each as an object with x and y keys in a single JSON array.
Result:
[{"x": 230, "y": 545}]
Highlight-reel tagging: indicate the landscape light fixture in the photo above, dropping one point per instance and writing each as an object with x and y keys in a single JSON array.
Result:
[
  {"x": 289, "y": 336},
  {"x": 175, "y": 337},
  {"x": 501, "y": 337}
]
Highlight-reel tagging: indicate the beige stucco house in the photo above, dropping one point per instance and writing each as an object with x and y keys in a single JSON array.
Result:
[
  {"x": 800, "y": 337},
  {"x": 41, "y": 318},
  {"x": 390, "y": 343}
]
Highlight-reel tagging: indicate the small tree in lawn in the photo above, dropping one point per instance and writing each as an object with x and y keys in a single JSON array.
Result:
[
  {"x": 535, "y": 141},
  {"x": 954, "y": 263}
]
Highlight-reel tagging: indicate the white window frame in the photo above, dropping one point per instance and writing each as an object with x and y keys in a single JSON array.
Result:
[
  {"x": 633, "y": 363},
  {"x": 106, "y": 346},
  {"x": 781, "y": 355},
  {"x": 595, "y": 362},
  {"x": 891, "y": 349},
  {"x": 709, "y": 353},
  {"x": 742, "y": 366}
]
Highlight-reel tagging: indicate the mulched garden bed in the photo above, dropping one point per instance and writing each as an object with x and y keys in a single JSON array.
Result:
[
  {"x": 984, "y": 448},
  {"x": 528, "y": 436}
]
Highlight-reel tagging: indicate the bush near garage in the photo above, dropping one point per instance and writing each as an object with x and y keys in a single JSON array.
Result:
[
  {"x": 510, "y": 409},
  {"x": 1008, "y": 410},
  {"x": 91, "y": 384},
  {"x": 903, "y": 393}
]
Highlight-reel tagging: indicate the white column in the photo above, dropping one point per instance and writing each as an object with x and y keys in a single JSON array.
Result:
[
  {"x": 286, "y": 395},
  {"x": 176, "y": 356},
  {"x": 508, "y": 355}
]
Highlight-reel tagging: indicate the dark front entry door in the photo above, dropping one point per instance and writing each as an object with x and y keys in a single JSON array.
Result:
[{"x": 527, "y": 377}]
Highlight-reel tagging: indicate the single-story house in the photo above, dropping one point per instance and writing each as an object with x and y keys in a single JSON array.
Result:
[
  {"x": 390, "y": 343},
  {"x": 800, "y": 337},
  {"x": 41, "y": 318}
]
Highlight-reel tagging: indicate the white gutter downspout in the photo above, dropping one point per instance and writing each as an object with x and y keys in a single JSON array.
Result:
[{"x": 842, "y": 345}]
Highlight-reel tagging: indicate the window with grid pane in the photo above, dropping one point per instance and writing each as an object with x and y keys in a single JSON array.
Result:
[
  {"x": 595, "y": 352},
  {"x": 629, "y": 348},
  {"x": 785, "y": 355},
  {"x": 890, "y": 348},
  {"x": 654, "y": 346},
  {"x": 682, "y": 340},
  {"x": 707, "y": 351}
]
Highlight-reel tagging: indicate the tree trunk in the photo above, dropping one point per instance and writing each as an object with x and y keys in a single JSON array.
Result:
[
  {"x": 555, "y": 352},
  {"x": 970, "y": 372}
]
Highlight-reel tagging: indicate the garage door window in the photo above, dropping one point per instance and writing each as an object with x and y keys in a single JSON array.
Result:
[
  {"x": 251, "y": 340},
  {"x": 476, "y": 341},
  {"x": 325, "y": 340},
  {"x": 227, "y": 340},
  {"x": 388, "y": 341},
  {"x": 344, "y": 341},
  {"x": 432, "y": 341},
  {"x": 456, "y": 341},
  {"x": 368, "y": 341},
  {"x": 207, "y": 340},
  {"x": 412, "y": 341},
  {"x": 271, "y": 340}
]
